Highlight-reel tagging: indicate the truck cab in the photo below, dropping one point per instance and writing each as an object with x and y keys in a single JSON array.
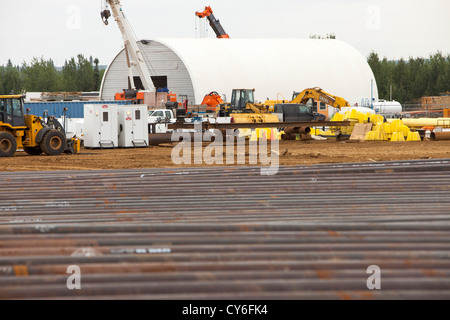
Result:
[
  {"x": 161, "y": 116},
  {"x": 288, "y": 112},
  {"x": 158, "y": 120}
]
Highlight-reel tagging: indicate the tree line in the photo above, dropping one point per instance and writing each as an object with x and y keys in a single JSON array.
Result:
[
  {"x": 411, "y": 79},
  {"x": 78, "y": 74}
]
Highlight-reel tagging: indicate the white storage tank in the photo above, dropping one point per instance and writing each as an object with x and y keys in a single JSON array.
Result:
[
  {"x": 100, "y": 126},
  {"x": 387, "y": 107},
  {"x": 192, "y": 68},
  {"x": 133, "y": 126}
]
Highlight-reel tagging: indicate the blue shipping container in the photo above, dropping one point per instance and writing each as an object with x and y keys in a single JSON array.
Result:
[{"x": 75, "y": 109}]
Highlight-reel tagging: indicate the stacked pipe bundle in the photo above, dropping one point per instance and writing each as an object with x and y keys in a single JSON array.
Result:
[
  {"x": 395, "y": 131},
  {"x": 296, "y": 134},
  {"x": 355, "y": 117},
  {"x": 309, "y": 232}
]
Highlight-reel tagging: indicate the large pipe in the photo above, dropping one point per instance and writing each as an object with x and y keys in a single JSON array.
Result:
[
  {"x": 155, "y": 139},
  {"x": 304, "y": 130},
  {"x": 438, "y": 136},
  {"x": 424, "y": 122}
]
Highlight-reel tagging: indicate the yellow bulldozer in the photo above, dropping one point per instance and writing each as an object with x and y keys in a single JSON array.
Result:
[
  {"x": 243, "y": 108},
  {"x": 31, "y": 133}
]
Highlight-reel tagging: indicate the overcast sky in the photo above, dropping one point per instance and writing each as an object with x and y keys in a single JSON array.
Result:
[{"x": 60, "y": 29}]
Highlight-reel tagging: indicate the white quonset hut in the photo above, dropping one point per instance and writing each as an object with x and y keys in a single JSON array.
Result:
[{"x": 195, "y": 67}]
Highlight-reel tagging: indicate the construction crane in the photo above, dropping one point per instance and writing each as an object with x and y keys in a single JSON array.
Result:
[
  {"x": 213, "y": 22},
  {"x": 133, "y": 53},
  {"x": 320, "y": 95}
]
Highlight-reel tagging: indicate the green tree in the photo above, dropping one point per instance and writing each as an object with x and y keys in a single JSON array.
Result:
[
  {"x": 2, "y": 71},
  {"x": 401, "y": 81},
  {"x": 41, "y": 76},
  {"x": 436, "y": 83},
  {"x": 328, "y": 36},
  {"x": 411, "y": 79},
  {"x": 85, "y": 74},
  {"x": 102, "y": 74},
  {"x": 69, "y": 75},
  {"x": 97, "y": 79},
  {"x": 419, "y": 73},
  {"x": 12, "y": 80},
  {"x": 81, "y": 74}
]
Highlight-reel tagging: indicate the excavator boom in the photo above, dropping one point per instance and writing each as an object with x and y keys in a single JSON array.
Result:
[
  {"x": 320, "y": 95},
  {"x": 214, "y": 23}
]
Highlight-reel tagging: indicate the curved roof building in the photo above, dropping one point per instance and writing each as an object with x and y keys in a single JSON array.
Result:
[{"x": 195, "y": 67}]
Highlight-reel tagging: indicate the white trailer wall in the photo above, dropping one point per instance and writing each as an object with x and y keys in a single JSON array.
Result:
[
  {"x": 133, "y": 126},
  {"x": 100, "y": 126}
]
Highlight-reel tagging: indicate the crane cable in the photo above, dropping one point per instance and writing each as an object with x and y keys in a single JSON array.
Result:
[{"x": 147, "y": 61}]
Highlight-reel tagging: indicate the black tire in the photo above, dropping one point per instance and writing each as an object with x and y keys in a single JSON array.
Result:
[
  {"x": 8, "y": 145},
  {"x": 54, "y": 143},
  {"x": 33, "y": 151}
]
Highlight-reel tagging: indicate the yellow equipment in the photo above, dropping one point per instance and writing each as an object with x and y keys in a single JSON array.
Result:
[
  {"x": 320, "y": 95},
  {"x": 254, "y": 117},
  {"x": 243, "y": 102},
  {"x": 312, "y": 93},
  {"x": 30, "y": 133}
]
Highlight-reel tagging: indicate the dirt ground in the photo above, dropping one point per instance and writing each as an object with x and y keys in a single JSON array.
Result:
[{"x": 291, "y": 153}]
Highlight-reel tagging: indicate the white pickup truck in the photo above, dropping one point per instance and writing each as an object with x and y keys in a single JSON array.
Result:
[
  {"x": 161, "y": 115},
  {"x": 158, "y": 119}
]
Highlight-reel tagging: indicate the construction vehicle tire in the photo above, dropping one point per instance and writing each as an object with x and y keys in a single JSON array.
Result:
[
  {"x": 54, "y": 143},
  {"x": 8, "y": 145},
  {"x": 33, "y": 151}
]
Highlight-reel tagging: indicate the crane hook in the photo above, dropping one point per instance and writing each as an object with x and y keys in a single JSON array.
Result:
[{"x": 105, "y": 16}]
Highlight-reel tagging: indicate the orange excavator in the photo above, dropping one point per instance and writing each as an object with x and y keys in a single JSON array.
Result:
[
  {"x": 213, "y": 22},
  {"x": 212, "y": 100}
]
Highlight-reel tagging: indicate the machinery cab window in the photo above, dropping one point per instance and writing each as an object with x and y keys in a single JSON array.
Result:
[
  {"x": 17, "y": 108},
  {"x": 2, "y": 110},
  {"x": 312, "y": 105},
  {"x": 240, "y": 98},
  {"x": 11, "y": 111},
  {"x": 304, "y": 109}
]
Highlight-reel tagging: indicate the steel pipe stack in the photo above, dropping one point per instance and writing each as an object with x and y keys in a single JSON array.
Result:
[{"x": 308, "y": 232}]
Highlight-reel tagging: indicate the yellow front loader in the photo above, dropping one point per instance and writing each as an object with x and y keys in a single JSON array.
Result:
[{"x": 29, "y": 132}]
